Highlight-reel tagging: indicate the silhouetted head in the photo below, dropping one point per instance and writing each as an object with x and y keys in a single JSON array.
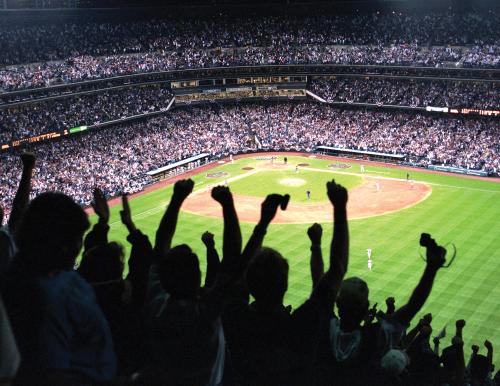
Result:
[
  {"x": 179, "y": 271},
  {"x": 50, "y": 234},
  {"x": 103, "y": 263},
  {"x": 451, "y": 358},
  {"x": 352, "y": 301},
  {"x": 267, "y": 277}
]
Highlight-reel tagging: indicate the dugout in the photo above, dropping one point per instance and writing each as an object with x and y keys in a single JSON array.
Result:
[{"x": 361, "y": 154}]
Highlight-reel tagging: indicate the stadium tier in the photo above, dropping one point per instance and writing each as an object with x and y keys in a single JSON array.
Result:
[
  {"x": 118, "y": 158},
  {"x": 261, "y": 135}
]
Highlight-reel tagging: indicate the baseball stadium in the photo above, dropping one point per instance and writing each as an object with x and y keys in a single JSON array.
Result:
[{"x": 249, "y": 193}]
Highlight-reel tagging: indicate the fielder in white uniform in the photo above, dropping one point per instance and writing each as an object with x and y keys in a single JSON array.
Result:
[{"x": 370, "y": 261}]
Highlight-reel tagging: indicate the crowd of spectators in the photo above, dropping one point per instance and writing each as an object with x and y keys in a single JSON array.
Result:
[
  {"x": 84, "y": 68},
  {"x": 105, "y": 50},
  {"x": 117, "y": 159},
  {"x": 32, "y": 119},
  {"x": 63, "y": 325},
  {"x": 409, "y": 92},
  {"x": 35, "y": 42},
  {"x": 86, "y": 325}
]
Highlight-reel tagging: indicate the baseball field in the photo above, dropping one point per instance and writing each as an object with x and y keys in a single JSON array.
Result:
[{"x": 388, "y": 209}]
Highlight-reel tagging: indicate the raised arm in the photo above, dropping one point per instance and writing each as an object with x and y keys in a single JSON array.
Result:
[
  {"x": 435, "y": 260},
  {"x": 329, "y": 285},
  {"x": 99, "y": 234},
  {"x": 489, "y": 348},
  {"x": 126, "y": 215},
  {"x": 168, "y": 223},
  {"x": 22, "y": 196},
  {"x": 459, "y": 328},
  {"x": 212, "y": 259},
  {"x": 231, "y": 244},
  {"x": 411, "y": 334},
  {"x": 475, "y": 350},
  {"x": 339, "y": 250},
  {"x": 436, "y": 342},
  {"x": 140, "y": 256},
  {"x": 315, "y": 232},
  {"x": 268, "y": 210}
]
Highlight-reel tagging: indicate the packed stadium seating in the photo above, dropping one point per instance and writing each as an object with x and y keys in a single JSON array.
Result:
[
  {"x": 117, "y": 159},
  {"x": 59, "y": 41},
  {"x": 409, "y": 92},
  {"x": 87, "y": 109},
  {"x": 110, "y": 49}
]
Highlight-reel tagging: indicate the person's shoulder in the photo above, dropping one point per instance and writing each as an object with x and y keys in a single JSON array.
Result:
[{"x": 66, "y": 284}]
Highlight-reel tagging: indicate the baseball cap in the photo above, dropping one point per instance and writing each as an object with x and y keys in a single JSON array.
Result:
[
  {"x": 394, "y": 362},
  {"x": 353, "y": 291}
]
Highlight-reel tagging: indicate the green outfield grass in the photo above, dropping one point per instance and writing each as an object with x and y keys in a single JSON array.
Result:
[{"x": 459, "y": 210}]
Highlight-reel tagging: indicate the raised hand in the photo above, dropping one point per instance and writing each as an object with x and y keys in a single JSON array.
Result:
[
  {"x": 183, "y": 188},
  {"x": 100, "y": 205},
  {"x": 435, "y": 254},
  {"x": 337, "y": 194},
  {"x": 208, "y": 239},
  {"x": 126, "y": 215},
  {"x": 222, "y": 195},
  {"x": 270, "y": 206},
  {"x": 28, "y": 160},
  {"x": 315, "y": 232},
  {"x": 488, "y": 345},
  {"x": 460, "y": 324}
]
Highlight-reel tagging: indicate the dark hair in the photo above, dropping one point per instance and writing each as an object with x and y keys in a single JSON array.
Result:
[
  {"x": 267, "y": 277},
  {"x": 102, "y": 263},
  {"x": 179, "y": 272},
  {"x": 352, "y": 300},
  {"x": 50, "y": 234}
]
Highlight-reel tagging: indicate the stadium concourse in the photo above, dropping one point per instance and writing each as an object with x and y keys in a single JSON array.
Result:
[{"x": 91, "y": 326}]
